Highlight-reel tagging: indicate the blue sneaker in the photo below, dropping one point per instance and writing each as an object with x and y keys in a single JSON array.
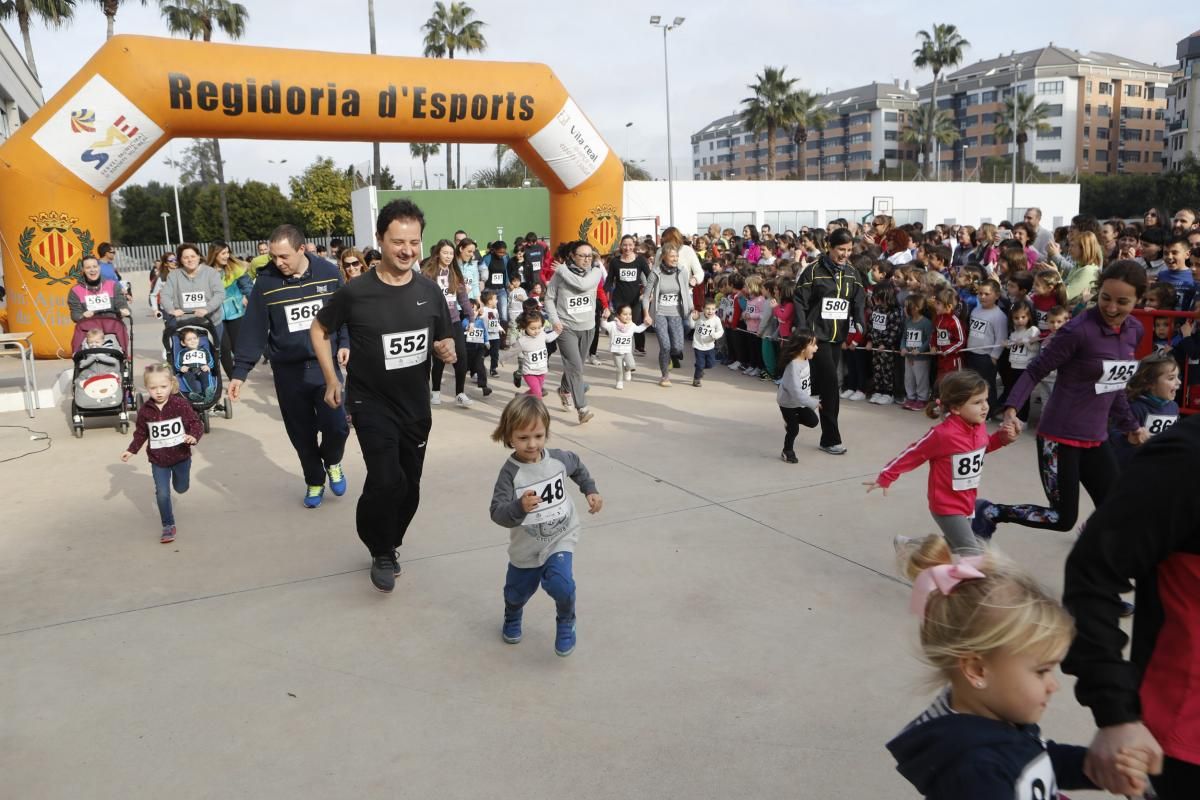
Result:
[
  {"x": 564, "y": 640},
  {"x": 337, "y": 479},
  {"x": 981, "y": 526},
  {"x": 511, "y": 632},
  {"x": 313, "y": 497}
]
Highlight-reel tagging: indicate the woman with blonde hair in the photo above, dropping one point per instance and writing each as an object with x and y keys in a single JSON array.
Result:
[
  {"x": 1088, "y": 258},
  {"x": 238, "y": 288}
]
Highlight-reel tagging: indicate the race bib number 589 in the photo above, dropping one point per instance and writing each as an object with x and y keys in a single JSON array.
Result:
[{"x": 405, "y": 349}]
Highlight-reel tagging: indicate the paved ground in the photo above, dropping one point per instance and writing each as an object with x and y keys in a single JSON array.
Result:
[{"x": 741, "y": 631}]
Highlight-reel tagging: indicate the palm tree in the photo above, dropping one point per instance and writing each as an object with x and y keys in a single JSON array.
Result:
[
  {"x": 110, "y": 8},
  {"x": 925, "y": 125},
  {"x": 773, "y": 106},
  {"x": 938, "y": 51},
  {"x": 1023, "y": 116},
  {"x": 54, "y": 13},
  {"x": 200, "y": 18},
  {"x": 808, "y": 113},
  {"x": 423, "y": 152},
  {"x": 448, "y": 30},
  {"x": 636, "y": 172},
  {"x": 501, "y": 149}
]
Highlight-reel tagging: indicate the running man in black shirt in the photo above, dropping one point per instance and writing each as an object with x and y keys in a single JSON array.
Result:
[{"x": 397, "y": 319}]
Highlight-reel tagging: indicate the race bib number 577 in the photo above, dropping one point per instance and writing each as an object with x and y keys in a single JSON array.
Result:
[{"x": 405, "y": 349}]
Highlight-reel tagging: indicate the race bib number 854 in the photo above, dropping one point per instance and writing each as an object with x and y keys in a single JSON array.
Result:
[{"x": 967, "y": 469}]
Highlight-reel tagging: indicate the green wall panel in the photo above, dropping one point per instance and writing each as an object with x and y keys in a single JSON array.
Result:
[{"x": 479, "y": 212}]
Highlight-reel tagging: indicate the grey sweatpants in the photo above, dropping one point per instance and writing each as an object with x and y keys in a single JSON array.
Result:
[
  {"x": 916, "y": 378},
  {"x": 957, "y": 530},
  {"x": 571, "y": 346},
  {"x": 623, "y": 362}
]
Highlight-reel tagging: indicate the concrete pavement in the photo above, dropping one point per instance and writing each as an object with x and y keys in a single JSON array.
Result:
[{"x": 741, "y": 629}]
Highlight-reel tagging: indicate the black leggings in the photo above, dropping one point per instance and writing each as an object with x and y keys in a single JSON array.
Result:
[
  {"x": 460, "y": 363},
  {"x": 793, "y": 418},
  {"x": 825, "y": 366},
  {"x": 1179, "y": 779},
  {"x": 228, "y": 343},
  {"x": 1063, "y": 468}
]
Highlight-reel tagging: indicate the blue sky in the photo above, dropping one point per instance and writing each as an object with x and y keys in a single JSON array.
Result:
[{"x": 611, "y": 60}]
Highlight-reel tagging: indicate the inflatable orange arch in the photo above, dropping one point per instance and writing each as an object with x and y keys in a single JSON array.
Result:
[{"x": 137, "y": 93}]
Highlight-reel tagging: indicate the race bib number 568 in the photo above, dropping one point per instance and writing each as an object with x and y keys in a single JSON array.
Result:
[
  {"x": 301, "y": 315},
  {"x": 405, "y": 349}
]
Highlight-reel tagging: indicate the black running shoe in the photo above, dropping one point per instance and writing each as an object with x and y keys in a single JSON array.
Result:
[
  {"x": 517, "y": 380},
  {"x": 396, "y": 558},
  {"x": 383, "y": 573}
]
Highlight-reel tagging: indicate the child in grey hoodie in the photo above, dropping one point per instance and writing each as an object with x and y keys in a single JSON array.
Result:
[
  {"x": 794, "y": 395},
  {"x": 530, "y": 499}
]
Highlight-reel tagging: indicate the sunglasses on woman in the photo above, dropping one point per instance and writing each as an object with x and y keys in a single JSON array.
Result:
[{"x": 355, "y": 263}]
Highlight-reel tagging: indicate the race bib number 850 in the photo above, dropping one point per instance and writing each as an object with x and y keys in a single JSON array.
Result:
[
  {"x": 166, "y": 433},
  {"x": 405, "y": 349}
]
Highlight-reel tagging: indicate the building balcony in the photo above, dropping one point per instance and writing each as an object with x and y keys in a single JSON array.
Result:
[{"x": 1177, "y": 125}]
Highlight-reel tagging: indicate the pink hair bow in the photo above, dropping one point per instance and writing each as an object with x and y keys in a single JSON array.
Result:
[{"x": 943, "y": 578}]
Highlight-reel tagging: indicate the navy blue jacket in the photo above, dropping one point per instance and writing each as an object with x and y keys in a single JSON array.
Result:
[
  {"x": 949, "y": 756},
  {"x": 265, "y": 327}
]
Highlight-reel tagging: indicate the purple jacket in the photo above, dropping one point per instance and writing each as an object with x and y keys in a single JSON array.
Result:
[{"x": 1075, "y": 410}]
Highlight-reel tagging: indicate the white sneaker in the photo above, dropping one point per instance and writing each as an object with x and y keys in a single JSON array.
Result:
[
  {"x": 846, "y": 394},
  {"x": 754, "y": 372},
  {"x": 734, "y": 366},
  {"x": 857, "y": 396},
  {"x": 880, "y": 399},
  {"x": 902, "y": 544},
  {"x": 463, "y": 401},
  {"x": 620, "y": 385},
  {"x": 435, "y": 398},
  {"x": 592, "y": 360},
  {"x": 628, "y": 374}
]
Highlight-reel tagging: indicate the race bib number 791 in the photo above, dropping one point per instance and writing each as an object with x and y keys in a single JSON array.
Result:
[{"x": 405, "y": 349}]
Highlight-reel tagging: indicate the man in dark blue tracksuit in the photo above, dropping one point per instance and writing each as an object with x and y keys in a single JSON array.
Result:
[{"x": 288, "y": 293}]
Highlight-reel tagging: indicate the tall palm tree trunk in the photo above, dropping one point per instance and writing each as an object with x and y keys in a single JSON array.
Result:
[
  {"x": 928, "y": 143},
  {"x": 802, "y": 146},
  {"x": 23, "y": 24},
  {"x": 425, "y": 168},
  {"x": 771, "y": 152},
  {"x": 216, "y": 145},
  {"x": 110, "y": 17}
]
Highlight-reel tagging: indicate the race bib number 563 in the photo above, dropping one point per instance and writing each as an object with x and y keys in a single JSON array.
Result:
[{"x": 405, "y": 349}]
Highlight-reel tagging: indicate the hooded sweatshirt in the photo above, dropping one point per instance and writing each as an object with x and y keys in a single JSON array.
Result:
[
  {"x": 667, "y": 293},
  {"x": 950, "y": 756},
  {"x": 571, "y": 297}
]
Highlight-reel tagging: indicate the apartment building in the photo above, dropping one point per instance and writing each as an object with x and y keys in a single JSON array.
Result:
[
  {"x": 863, "y": 131},
  {"x": 1107, "y": 113},
  {"x": 1183, "y": 105},
  {"x": 20, "y": 92}
]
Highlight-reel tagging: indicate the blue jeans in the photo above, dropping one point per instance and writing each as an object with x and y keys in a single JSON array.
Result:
[
  {"x": 502, "y": 305},
  {"x": 670, "y": 340},
  {"x": 178, "y": 474},
  {"x": 705, "y": 359},
  {"x": 555, "y": 576}
]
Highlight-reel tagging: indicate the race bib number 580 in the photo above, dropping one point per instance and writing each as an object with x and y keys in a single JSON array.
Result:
[
  {"x": 405, "y": 349},
  {"x": 835, "y": 308}
]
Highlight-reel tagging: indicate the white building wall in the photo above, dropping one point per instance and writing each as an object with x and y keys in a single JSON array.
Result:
[{"x": 20, "y": 93}]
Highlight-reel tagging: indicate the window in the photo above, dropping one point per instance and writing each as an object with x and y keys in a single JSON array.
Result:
[
  {"x": 989, "y": 96},
  {"x": 945, "y": 102},
  {"x": 1104, "y": 110},
  {"x": 891, "y": 136},
  {"x": 970, "y": 141},
  {"x": 1158, "y": 135},
  {"x": 1151, "y": 93},
  {"x": 1102, "y": 155},
  {"x": 988, "y": 139},
  {"x": 863, "y": 155},
  {"x": 1087, "y": 109},
  {"x": 860, "y": 119},
  {"x": 889, "y": 154},
  {"x": 1106, "y": 88},
  {"x": 1102, "y": 134},
  {"x": 1085, "y": 154},
  {"x": 735, "y": 172},
  {"x": 1054, "y": 110},
  {"x": 1087, "y": 131},
  {"x": 833, "y": 159},
  {"x": 696, "y": 164},
  {"x": 726, "y": 158},
  {"x": 848, "y": 214},
  {"x": 1089, "y": 87},
  {"x": 726, "y": 219},
  {"x": 1048, "y": 155},
  {"x": 1050, "y": 87},
  {"x": 814, "y": 144},
  {"x": 1134, "y": 156},
  {"x": 1131, "y": 135},
  {"x": 971, "y": 163},
  {"x": 972, "y": 99},
  {"x": 860, "y": 138},
  {"x": 710, "y": 145},
  {"x": 891, "y": 116},
  {"x": 967, "y": 122},
  {"x": 723, "y": 143},
  {"x": 1159, "y": 112},
  {"x": 1053, "y": 133},
  {"x": 1133, "y": 90},
  {"x": 784, "y": 149},
  {"x": 813, "y": 163},
  {"x": 1129, "y": 112},
  {"x": 795, "y": 220},
  {"x": 907, "y": 216}
]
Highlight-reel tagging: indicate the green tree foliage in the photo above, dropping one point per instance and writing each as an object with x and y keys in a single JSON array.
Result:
[
  {"x": 1128, "y": 196},
  {"x": 771, "y": 107},
  {"x": 322, "y": 197},
  {"x": 1022, "y": 115},
  {"x": 110, "y": 8},
  {"x": 137, "y": 213},
  {"x": 386, "y": 179},
  {"x": 255, "y": 209},
  {"x": 926, "y": 124},
  {"x": 424, "y": 151},
  {"x": 53, "y": 13},
  {"x": 938, "y": 50},
  {"x": 809, "y": 114}
]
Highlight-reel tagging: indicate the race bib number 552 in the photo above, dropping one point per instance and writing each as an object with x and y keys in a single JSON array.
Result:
[{"x": 405, "y": 349}]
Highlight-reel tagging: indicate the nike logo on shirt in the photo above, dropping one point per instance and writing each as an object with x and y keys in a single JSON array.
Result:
[{"x": 422, "y": 302}]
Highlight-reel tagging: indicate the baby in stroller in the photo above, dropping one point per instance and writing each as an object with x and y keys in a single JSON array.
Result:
[
  {"x": 99, "y": 357},
  {"x": 97, "y": 339},
  {"x": 194, "y": 365}
]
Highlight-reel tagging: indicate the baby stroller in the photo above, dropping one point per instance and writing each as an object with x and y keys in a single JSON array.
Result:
[
  {"x": 202, "y": 389},
  {"x": 102, "y": 381}
]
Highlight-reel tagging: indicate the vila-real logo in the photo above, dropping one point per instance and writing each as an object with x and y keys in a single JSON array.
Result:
[
  {"x": 99, "y": 134},
  {"x": 53, "y": 247}
]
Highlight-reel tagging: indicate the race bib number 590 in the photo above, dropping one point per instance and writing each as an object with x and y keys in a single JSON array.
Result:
[{"x": 405, "y": 349}]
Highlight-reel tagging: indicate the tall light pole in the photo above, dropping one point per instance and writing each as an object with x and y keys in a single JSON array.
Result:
[
  {"x": 374, "y": 145},
  {"x": 166, "y": 230},
  {"x": 657, "y": 22},
  {"x": 1016, "y": 90},
  {"x": 628, "y": 125},
  {"x": 175, "y": 185},
  {"x": 439, "y": 176}
]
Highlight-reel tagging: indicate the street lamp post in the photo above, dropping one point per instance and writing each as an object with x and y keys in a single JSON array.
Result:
[
  {"x": 172, "y": 162},
  {"x": 439, "y": 176},
  {"x": 628, "y": 125},
  {"x": 1016, "y": 90},
  {"x": 657, "y": 22},
  {"x": 166, "y": 230}
]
